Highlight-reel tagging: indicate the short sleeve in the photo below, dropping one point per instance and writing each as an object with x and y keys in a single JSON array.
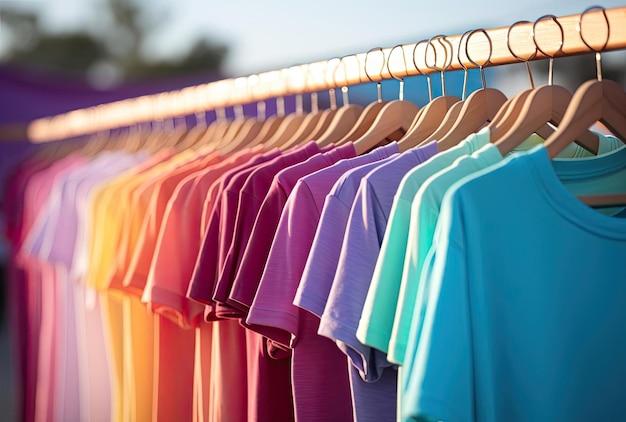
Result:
[
  {"x": 380, "y": 305},
  {"x": 440, "y": 382},
  {"x": 361, "y": 245},
  {"x": 273, "y": 313},
  {"x": 319, "y": 271},
  {"x": 258, "y": 247}
]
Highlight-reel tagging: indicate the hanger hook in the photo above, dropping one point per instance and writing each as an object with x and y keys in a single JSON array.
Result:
[
  {"x": 444, "y": 39},
  {"x": 608, "y": 35},
  {"x": 465, "y": 70},
  {"x": 401, "y": 93},
  {"x": 220, "y": 112},
  {"x": 434, "y": 66},
  {"x": 430, "y": 92},
  {"x": 344, "y": 87},
  {"x": 441, "y": 39},
  {"x": 379, "y": 85},
  {"x": 487, "y": 62},
  {"x": 559, "y": 50},
  {"x": 522, "y": 59},
  {"x": 331, "y": 91}
]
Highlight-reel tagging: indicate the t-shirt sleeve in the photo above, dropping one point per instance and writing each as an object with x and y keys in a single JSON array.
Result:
[
  {"x": 440, "y": 380},
  {"x": 205, "y": 271},
  {"x": 421, "y": 232},
  {"x": 170, "y": 272},
  {"x": 319, "y": 271},
  {"x": 247, "y": 211},
  {"x": 380, "y": 305},
  {"x": 361, "y": 245},
  {"x": 273, "y": 313},
  {"x": 258, "y": 248}
]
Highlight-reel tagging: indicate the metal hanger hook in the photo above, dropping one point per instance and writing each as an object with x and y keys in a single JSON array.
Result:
[
  {"x": 465, "y": 70},
  {"x": 522, "y": 59},
  {"x": 379, "y": 85},
  {"x": 442, "y": 70},
  {"x": 430, "y": 90},
  {"x": 579, "y": 27},
  {"x": 344, "y": 86},
  {"x": 560, "y": 49},
  {"x": 397, "y": 78},
  {"x": 487, "y": 62}
]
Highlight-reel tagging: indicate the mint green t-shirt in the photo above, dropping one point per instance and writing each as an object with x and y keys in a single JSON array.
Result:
[
  {"x": 380, "y": 305},
  {"x": 424, "y": 214}
]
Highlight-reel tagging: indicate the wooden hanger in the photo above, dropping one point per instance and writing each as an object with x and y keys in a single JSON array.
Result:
[
  {"x": 430, "y": 116},
  {"x": 596, "y": 100},
  {"x": 369, "y": 113},
  {"x": 310, "y": 125},
  {"x": 545, "y": 104},
  {"x": 533, "y": 111},
  {"x": 193, "y": 134},
  {"x": 343, "y": 121},
  {"x": 287, "y": 128},
  {"x": 480, "y": 107},
  {"x": 478, "y": 110},
  {"x": 393, "y": 120},
  {"x": 395, "y": 117}
]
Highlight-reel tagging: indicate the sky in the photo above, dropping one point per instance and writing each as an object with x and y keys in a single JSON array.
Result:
[{"x": 271, "y": 34}]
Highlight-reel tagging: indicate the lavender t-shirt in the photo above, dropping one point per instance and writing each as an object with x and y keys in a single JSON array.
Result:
[
  {"x": 314, "y": 357},
  {"x": 373, "y": 387}
]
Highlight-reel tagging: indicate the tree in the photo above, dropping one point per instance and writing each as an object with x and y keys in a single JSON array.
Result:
[{"x": 118, "y": 49}]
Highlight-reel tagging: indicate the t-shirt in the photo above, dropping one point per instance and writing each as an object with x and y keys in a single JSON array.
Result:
[
  {"x": 219, "y": 232},
  {"x": 251, "y": 198},
  {"x": 373, "y": 387},
  {"x": 273, "y": 313},
  {"x": 380, "y": 304},
  {"x": 169, "y": 274},
  {"x": 509, "y": 326},
  {"x": 424, "y": 215},
  {"x": 377, "y": 318},
  {"x": 257, "y": 250}
]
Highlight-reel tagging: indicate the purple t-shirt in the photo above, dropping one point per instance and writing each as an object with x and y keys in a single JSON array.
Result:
[
  {"x": 361, "y": 244},
  {"x": 257, "y": 250},
  {"x": 272, "y": 311},
  {"x": 251, "y": 198},
  {"x": 219, "y": 232}
]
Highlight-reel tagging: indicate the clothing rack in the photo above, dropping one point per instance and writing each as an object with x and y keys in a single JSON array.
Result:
[{"x": 602, "y": 30}]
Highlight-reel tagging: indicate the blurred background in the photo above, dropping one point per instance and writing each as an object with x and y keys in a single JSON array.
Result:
[{"x": 59, "y": 55}]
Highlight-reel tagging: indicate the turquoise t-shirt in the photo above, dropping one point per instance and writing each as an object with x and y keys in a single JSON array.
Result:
[
  {"x": 520, "y": 313},
  {"x": 378, "y": 316},
  {"x": 424, "y": 215}
]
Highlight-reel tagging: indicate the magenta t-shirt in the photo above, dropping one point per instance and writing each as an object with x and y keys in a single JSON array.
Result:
[
  {"x": 251, "y": 198},
  {"x": 257, "y": 250},
  {"x": 320, "y": 371}
]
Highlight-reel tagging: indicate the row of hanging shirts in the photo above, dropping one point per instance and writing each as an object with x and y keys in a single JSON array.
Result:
[{"x": 378, "y": 263}]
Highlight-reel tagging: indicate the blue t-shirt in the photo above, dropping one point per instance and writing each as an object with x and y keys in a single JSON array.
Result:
[{"x": 521, "y": 306}]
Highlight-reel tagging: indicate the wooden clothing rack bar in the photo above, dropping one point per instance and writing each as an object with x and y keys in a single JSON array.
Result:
[{"x": 549, "y": 36}]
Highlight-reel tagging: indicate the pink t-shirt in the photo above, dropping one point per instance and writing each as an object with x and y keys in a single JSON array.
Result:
[{"x": 170, "y": 273}]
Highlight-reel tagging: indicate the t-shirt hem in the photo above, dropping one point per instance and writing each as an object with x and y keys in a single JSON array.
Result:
[
  {"x": 373, "y": 336},
  {"x": 429, "y": 409},
  {"x": 268, "y": 322},
  {"x": 311, "y": 303}
]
